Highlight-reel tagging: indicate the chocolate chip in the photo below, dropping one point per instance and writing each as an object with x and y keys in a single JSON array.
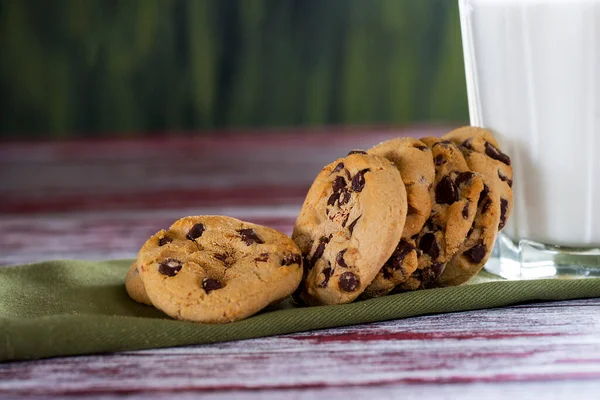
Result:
[
  {"x": 338, "y": 167},
  {"x": 348, "y": 282},
  {"x": 164, "y": 240},
  {"x": 439, "y": 159},
  {"x": 196, "y": 231},
  {"x": 446, "y": 191},
  {"x": 402, "y": 250},
  {"x": 221, "y": 257},
  {"x": 464, "y": 177},
  {"x": 505, "y": 178},
  {"x": 358, "y": 182},
  {"x": 429, "y": 245},
  {"x": 291, "y": 259},
  {"x": 318, "y": 253},
  {"x": 170, "y": 267},
  {"x": 496, "y": 154},
  {"x": 357, "y": 152},
  {"x": 484, "y": 201},
  {"x": 344, "y": 197},
  {"x": 328, "y": 272},
  {"x": 319, "y": 250},
  {"x": 465, "y": 211},
  {"x": 333, "y": 198},
  {"x": 486, "y": 205},
  {"x": 249, "y": 237},
  {"x": 340, "y": 258},
  {"x": 476, "y": 253},
  {"x": 352, "y": 225},
  {"x": 338, "y": 184},
  {"x": 467, "y": 144},
  {"x": 264, "y": 257},
  {"x": 503, "y": 210},
  {"x": 421, "y": 147},
  {"x": 210, "y": 284},
  {"x": 484, "y": 193},
  {"x": 470, "y": 231}
]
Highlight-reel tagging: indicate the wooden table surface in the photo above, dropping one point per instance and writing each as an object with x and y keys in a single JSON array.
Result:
[{"x": 102, "y": 199}]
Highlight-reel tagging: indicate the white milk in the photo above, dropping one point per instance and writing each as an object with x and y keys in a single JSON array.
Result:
[{"x": 533, "y": 78}]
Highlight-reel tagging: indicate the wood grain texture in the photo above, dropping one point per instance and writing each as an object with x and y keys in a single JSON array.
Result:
[
  {"x": 74, "y": 210},
  {"x": 234, "y": 169},
  {"x": 546, "y": 342},
  {"x": 111, "y": 235}
]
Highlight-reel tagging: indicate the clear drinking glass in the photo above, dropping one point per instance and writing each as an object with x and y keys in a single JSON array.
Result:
[{"x": 533, "y": 78}]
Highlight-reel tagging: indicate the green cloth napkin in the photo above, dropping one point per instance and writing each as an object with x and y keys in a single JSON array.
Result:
[{"x": 60, "y": 308}]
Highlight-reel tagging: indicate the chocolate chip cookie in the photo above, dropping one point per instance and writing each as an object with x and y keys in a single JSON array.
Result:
[
  {"x": 415, "y": 164},
  {"x": 483, "y": 155},
  {"x": 217, "y": 269},
  {"x": 135, "y": 287},
  {"x": 455, "y": 195},
  {"x": 349, "y": 225}
]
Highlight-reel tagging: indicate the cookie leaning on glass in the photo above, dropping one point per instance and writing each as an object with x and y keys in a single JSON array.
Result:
[
  {"x": 483, "y": 155},
  {"x": 455, "y": 194}
]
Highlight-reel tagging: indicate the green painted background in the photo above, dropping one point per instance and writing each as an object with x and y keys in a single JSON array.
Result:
[{"x": 110, "y": 67}]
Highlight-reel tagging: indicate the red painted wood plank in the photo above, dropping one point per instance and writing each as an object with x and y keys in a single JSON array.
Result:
[
  {"x": 158, "y": 199},
  {"x": 174, "y": 172},
  {"x": 111, "y": 235},
  {"x": 221, "y": 141}
]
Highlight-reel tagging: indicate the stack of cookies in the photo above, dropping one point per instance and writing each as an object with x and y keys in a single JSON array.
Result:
[{"x": 407, "y": 214}]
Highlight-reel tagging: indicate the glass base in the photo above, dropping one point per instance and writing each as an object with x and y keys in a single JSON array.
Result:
[{"x": 527, "y": 259}]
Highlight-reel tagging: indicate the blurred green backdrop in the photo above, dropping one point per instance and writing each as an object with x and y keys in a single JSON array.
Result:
[{"x": 121, "y": 67}]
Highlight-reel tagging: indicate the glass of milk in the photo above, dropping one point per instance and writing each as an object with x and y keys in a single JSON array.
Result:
[{"x": 533, "y": 78}]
